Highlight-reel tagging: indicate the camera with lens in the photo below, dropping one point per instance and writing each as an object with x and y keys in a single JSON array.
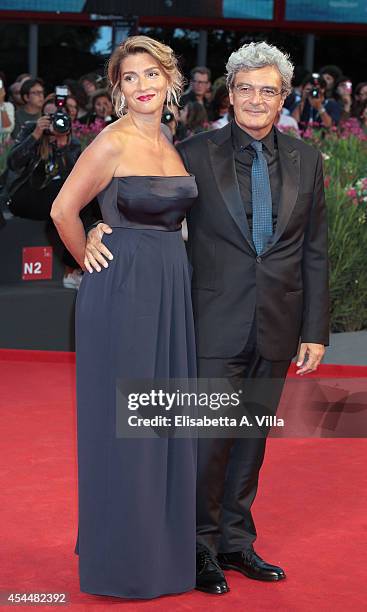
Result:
[
  {"x": 315, "y": 91},
  {"x": 60, "y": 121}
]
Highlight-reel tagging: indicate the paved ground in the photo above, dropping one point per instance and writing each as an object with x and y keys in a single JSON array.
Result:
[{"x": 347, "y": 348}]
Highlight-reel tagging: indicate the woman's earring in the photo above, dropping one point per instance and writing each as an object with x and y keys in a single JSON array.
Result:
[
  {"x": 169, "y": 95},
  {"x": 122, "y": 105}
]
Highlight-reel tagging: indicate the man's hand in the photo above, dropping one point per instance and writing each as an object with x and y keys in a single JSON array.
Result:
[
  {"x": 95, "y": 250},
  {"x": 309, "y": 357}
]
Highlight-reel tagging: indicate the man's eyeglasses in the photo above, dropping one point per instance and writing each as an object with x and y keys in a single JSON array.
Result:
[
  {"x": 197, "y": 82},
  {"x": 37, "y": 92},
  {"x": 247, "y": 91}
]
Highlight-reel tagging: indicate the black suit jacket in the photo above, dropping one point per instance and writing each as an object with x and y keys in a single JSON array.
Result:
[{"x": 287, "y": 287}]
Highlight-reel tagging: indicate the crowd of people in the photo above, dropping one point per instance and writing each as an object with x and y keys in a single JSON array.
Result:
[
  {"x": 42, "y": 156},
  {"x": 325, "y": 98},
  {"x": 86, "y": 102}
]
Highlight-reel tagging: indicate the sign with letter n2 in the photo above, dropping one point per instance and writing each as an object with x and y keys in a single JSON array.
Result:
[{"x": 37, "y": 263}]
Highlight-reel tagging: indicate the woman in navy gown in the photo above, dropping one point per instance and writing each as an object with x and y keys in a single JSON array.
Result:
[{"x": 133, "y": 321}]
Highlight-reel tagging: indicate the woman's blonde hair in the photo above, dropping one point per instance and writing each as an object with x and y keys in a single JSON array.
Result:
[{"x": 163, "y": 54}]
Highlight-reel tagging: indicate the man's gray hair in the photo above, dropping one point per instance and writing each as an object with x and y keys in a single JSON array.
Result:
[{"x": 258, "y": 55}]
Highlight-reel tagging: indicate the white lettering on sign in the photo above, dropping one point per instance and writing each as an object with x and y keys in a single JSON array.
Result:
[
  {"x": 37, "y": 263},
  {"x": 33, "y": 267}
]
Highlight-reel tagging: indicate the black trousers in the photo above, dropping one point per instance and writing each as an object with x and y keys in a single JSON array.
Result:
[{"x": 228, "y": 469}]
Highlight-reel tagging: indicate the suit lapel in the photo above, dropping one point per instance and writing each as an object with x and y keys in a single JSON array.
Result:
[{"x": 222, "y": 160}]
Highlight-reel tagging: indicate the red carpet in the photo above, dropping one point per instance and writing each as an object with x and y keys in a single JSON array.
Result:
[{"x": 310, "y": 510}]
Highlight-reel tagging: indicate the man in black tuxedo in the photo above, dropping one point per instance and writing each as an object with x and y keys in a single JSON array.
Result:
[
  {"x": 258, "y": 288},
  {"x": 258, "y": 246}
]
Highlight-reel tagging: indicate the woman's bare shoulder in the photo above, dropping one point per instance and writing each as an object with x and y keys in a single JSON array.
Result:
[
  {"x": 107, "y": 141},
  {"x": 121, "y": 127},
  {"x": 112, "y": 138}
]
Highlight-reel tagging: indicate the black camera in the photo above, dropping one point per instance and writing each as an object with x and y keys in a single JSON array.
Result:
[
  {"x": 60, "y": 121},
  {"x": 315, "y": 91}
]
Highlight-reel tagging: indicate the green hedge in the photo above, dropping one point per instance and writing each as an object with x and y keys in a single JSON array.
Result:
[{"x": 345, "y": 168}]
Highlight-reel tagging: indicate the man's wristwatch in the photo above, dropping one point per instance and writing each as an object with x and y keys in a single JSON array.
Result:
[{"x": 322, "y": 110}]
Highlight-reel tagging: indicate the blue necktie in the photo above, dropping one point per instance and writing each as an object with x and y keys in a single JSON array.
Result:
[{"x": 262, "y": 218}]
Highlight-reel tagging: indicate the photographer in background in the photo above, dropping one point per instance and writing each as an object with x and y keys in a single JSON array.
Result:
[
  {"x": 330, "y": 73},
  {"x": 90, "y": 83},
  {"x": 218, "y": 113},
  {"x": 6, "y": 113},
  {"x": 313, "y": 108},
  {"x": 14, "y": 90},
  {"x": 32, "y": 93},
  {"x": 343, "y": 95},
  {"x": 76, "y": 91},
  {"x": 101, "y": 109},
  {"x": 72, "y": 107},
  {"x": 193, "y": 120},
  {"x": 39, "y": 162},
  {"x": 199, "y": 87},
  {"x": 360, "y": 97}
]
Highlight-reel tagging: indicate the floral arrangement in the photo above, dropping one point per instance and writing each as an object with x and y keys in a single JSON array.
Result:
[
  {"x": 358, "y": 192},
  {"x": 87, "y": 133}
]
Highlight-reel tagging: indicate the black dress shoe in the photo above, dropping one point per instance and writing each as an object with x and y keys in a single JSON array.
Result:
[
  {"x": 251, "y": 565},
  {"x": 209, "y": 576}
]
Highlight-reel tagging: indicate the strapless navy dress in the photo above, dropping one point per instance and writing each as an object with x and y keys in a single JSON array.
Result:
[{"x": 136, "y": 534}]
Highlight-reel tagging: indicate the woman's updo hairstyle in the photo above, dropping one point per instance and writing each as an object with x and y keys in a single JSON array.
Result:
[{"x": 163, "y": 54}]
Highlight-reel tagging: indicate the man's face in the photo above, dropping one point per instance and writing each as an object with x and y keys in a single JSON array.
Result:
[
  {"x": 256, "y": 110},
  {"x": 36, "y": 96},
  {"x": 200, "y": 83}
]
